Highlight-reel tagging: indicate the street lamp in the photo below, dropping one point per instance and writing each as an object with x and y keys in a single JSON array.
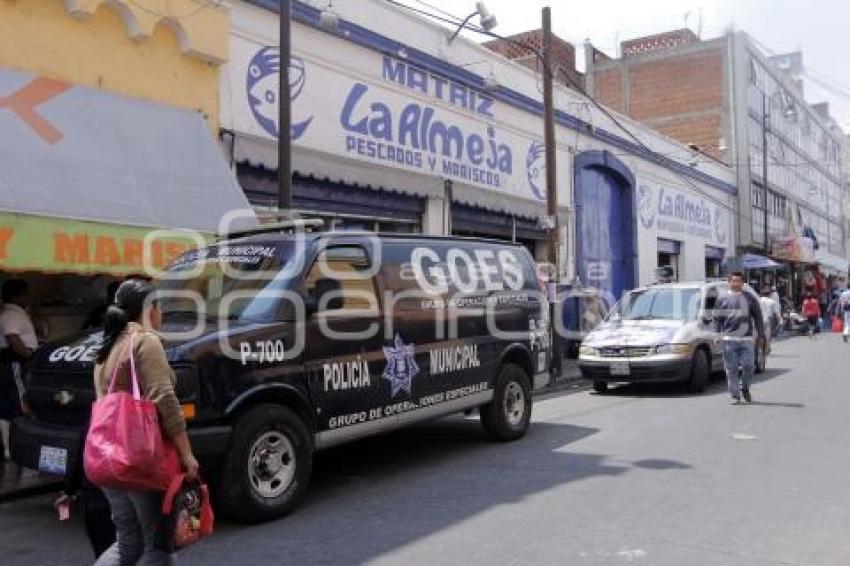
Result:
[
  {"x": 487, "y": 19},
  {"x": 328, "y": 18}
]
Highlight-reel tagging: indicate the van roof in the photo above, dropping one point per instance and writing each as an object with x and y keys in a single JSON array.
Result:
[
  {"x": 681, "y": 285},
  {"x": 276, "y": 234}
]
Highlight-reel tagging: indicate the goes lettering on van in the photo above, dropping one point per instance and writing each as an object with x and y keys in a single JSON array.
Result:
[
  {"x": 494, "y": 270},
  {"x": 74, "y": 354}
]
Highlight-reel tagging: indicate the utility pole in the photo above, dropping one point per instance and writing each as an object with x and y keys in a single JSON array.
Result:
[
  {"x": 284, "y": 115},
  {"x": 765, "y": 120},
  {"x": 551, "y": 185},
  {"x": 549, "y": 141}
]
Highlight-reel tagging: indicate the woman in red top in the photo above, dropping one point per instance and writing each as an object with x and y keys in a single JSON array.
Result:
[{"x": 811, "y": 310}]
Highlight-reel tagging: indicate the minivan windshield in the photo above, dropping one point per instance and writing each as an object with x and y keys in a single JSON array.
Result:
[
  {"x": 232, "y": 282},
  {"x": 670, "y": 303}
]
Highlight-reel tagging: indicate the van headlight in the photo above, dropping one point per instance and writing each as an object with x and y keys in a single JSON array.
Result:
[
  {"x": 674, "y": 349},
  {"x": 587, "y": 351}
]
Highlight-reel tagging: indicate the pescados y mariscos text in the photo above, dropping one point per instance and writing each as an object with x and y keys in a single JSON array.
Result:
[{"x": 417, "y": 139}]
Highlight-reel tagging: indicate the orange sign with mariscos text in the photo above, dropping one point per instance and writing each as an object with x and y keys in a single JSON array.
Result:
[{"x": 55, "y": 245}]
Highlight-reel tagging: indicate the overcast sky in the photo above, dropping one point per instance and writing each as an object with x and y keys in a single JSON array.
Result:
[{"x": 820, "y": 28}]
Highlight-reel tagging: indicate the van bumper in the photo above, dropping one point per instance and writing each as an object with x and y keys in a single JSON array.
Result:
[
  {"x": 26, "y": 437},
  {"x": 644, "y": 371}
]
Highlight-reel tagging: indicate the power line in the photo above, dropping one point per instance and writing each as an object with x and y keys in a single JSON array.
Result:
[{"x": 455, "y": 20}]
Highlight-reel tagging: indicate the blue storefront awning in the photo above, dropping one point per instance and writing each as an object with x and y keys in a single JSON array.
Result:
[
  {"x": 712, "y": 252},
  {"x": 749, "y": 262},
  {"x": 669, "y": 246}
]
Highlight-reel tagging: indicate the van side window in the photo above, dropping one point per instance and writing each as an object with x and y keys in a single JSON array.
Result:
[{"x": 349, "y": 265}]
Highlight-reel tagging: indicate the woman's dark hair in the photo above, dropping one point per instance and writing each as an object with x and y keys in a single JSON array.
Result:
[{"x": 129, "y": 303}]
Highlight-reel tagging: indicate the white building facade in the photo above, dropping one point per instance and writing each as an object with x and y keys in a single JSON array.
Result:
[{"x": 396, "y": 129}]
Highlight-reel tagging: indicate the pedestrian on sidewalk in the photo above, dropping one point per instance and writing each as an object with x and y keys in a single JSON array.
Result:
[
  {"x": 137, "y": 515},
  {"x": 17, "y": 343},
  {"x": 844, "y": 307},
  {"x": 772, "y": 313},
  {"x": 738, "y": 320},
  {"x": 811, "y": 310}
]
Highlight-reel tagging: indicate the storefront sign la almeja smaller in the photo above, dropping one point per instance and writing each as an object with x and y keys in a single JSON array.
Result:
[{"x": 679, "y": 213}]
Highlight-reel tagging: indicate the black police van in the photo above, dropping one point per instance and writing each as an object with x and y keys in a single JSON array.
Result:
[{"x": 284, "y": 343}]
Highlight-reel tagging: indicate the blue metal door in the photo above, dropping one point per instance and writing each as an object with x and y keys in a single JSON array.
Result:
[{"x": 605, "y": 249}]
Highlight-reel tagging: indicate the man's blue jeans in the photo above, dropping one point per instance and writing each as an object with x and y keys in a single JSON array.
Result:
[{"x": 735, "y": 353}]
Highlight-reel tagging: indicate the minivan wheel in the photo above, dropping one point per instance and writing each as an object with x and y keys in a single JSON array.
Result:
[
  {"x": 267, "y": 468},
  {"x": 700, "y": 370},
  {"x": 507, "y": 416},
  {"x": 600, "y": 387}
]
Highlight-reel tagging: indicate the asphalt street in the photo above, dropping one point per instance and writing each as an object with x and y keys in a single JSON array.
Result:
[{"x": 652, "y": 476}]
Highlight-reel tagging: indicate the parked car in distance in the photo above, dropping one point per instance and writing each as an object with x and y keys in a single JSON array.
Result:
[{"x": 659, "y": 334}]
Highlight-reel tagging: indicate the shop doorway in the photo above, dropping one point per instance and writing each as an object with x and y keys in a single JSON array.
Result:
[
  {"x": 477, "y": 222},
  {"x": 713, "y": 262},
  {"x": 605, "y": 231},
  {"x": 668, "y": 258}
]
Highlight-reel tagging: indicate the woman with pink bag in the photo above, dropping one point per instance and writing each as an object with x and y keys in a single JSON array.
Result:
[{"x": 132, "y": 358}]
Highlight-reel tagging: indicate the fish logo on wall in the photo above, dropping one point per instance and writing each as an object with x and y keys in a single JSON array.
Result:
[
  {"x": 719, "y": 226},
  {"x": 535, "y": 165},
  {"x": 645, "y": 206},
  {"x": 262, "y": 88}
]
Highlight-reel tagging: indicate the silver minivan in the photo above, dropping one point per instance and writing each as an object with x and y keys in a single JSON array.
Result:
[{"x": 656, "y": 334}]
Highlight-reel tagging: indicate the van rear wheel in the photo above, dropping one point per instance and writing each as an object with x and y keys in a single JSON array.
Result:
[
  {"x": 508, "y": 415},
  {"x": 267, "y": 468},
  {"x": 600, "y": 386}
]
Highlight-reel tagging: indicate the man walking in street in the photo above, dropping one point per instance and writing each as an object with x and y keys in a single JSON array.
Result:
[
  {"x": 811, "y": 310},
  {"x": 17, "y": 342},
  {"x": 738, "y": 319}
]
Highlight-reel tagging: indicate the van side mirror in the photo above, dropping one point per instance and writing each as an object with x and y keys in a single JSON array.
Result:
[{"x": 316, "y": 298}]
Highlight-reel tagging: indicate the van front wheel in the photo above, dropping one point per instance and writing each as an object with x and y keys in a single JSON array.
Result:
[
  {"x": 508, "y": 415},
  {"x": 268, "y": 465}
]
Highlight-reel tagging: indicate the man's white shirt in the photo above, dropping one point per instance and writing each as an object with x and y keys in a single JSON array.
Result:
[{"x": 15, "y": 320}]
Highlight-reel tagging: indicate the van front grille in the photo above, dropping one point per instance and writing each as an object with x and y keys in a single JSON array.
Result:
[{"x": 625, "y": 351}]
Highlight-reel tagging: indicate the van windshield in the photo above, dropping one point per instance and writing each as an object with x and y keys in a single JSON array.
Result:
[
  {"x": 662, "y": 304},
  {"x": 232, "y": 282}
]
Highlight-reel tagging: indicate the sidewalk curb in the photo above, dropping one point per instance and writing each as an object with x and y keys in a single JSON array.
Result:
[{"x": 569, "y": 384}]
